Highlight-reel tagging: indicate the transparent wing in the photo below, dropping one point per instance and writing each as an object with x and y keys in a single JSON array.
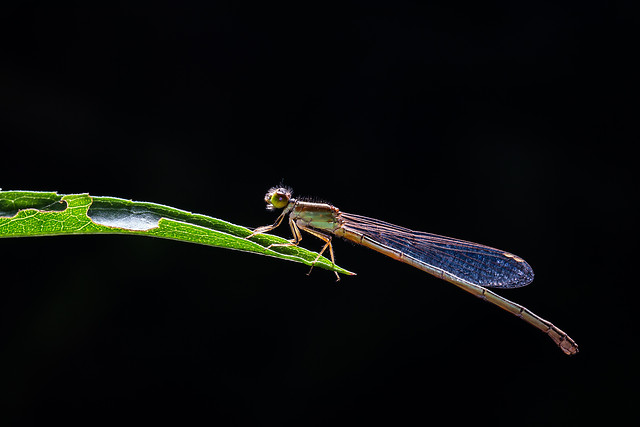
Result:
[{"x": 477, "y": 264}]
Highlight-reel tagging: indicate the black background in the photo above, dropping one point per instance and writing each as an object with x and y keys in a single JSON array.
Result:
[{"x": 503, "y": 123}]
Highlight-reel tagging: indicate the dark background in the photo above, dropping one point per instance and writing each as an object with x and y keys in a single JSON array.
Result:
[{"x": 503, "y": 123}]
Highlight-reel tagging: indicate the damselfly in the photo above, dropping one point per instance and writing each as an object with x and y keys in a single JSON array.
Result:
[{"x": 470, "y": 266}]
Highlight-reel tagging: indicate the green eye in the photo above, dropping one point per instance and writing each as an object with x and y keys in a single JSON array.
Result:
[{"x": 279, "y": 199}]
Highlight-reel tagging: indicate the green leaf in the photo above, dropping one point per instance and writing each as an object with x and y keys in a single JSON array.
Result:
[{"x": 33, "y": 213}]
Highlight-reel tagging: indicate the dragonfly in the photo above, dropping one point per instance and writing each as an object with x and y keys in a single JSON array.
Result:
[{"x": 470, "y": 266}]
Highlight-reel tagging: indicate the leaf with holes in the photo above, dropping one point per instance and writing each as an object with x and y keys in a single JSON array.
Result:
[{"x": 34, "y": 213}]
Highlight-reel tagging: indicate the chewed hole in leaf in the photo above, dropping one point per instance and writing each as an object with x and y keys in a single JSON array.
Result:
[
  {"x": 15, "y": 201},
  {"x": 129, "y": 219}
]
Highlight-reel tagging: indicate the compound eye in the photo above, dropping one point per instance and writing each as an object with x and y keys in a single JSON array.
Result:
[{"x": 280, "y": 198}]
